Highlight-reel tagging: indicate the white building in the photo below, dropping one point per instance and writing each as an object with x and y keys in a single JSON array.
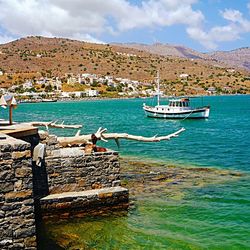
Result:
[
  {"x": 183, "y": 76},
  {"x": 28, "y": 84},
  {"x": 71, "y": 80},
  {"x": 91, "y": 92},
  {"x": 65, "y": 94},
  {"x": 211, "y": 90}
]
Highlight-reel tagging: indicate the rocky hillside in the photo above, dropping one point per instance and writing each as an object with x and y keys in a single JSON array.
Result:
[
  {"x": 235, "y": 58},
  {"x": 239, "y": 58},
  {"x": 167, "y": 50},
  {"x": 39, "y": 56}
]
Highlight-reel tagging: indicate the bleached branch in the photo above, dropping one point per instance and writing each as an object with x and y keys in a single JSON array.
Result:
[
  {"x": 53, "y": 124},
  {"x": 101, "y": 135}
]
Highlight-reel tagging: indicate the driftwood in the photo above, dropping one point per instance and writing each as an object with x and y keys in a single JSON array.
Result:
[
  {"x": 53, "y": 124},
  {"x": 101, "y": 135}
]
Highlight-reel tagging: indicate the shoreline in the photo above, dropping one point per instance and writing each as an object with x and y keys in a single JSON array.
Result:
[{"x": 126, "y": 98}]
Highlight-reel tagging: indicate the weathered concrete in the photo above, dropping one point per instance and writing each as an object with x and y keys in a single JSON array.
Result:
[
  {"x": 17, "y": 220},
  {"x": 84, "y": 202}
]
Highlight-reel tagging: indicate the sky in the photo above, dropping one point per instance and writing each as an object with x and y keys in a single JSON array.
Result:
[{"x": 203, "y": 25}]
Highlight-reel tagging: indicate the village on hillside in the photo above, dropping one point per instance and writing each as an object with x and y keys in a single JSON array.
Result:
[
  {"x": 89, "y": 85},
  {"x": 36, "y": 68}
]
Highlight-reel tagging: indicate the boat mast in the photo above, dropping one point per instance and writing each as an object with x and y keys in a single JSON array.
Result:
[{"x": 158, "y": 87}]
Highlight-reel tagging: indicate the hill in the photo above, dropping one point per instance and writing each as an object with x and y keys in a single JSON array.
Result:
[
  {"x": 238, "y": 58},
  {"x": 40, "y": 56}
]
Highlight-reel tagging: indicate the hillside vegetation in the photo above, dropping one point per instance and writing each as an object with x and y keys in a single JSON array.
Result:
[{"x": 33, "y": 57}]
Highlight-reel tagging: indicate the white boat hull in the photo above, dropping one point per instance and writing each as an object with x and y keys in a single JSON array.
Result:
[{"x": 196, "y": 113}]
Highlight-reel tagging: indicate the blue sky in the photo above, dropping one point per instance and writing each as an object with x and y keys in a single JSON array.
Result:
[{"x": 203, "y": 25}]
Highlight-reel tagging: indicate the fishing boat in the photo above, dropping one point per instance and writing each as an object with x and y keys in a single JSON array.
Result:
[
  {"x": 177, "y": 108},
  {"x": 49, "y": 100}
]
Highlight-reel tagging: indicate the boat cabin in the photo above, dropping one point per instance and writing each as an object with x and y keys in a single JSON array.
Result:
[{"x": 184, "y": 102}]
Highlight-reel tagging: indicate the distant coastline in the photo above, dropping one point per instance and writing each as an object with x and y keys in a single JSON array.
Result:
[{"x": 118, "y": 98}]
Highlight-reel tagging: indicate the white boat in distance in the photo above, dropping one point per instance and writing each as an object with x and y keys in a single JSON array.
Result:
[{"x": 178, "y": 108}]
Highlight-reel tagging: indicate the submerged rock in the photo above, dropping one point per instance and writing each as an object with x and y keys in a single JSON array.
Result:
[{"x": 151, "y": 178}]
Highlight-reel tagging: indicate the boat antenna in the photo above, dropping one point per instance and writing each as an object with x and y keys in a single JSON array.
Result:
[{"x": 158, "y": 87}]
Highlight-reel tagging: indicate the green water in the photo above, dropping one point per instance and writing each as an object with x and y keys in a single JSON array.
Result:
[{"x": 211, "y": 216}]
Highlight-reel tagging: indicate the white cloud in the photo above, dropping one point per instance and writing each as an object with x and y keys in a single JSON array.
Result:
[
  {"x": 231, "y": 15},
  {"x": 198, "y": 34},
  {"x": 237, "y": 26},
  {"x": 88, "y": 19},
  {"x": 87, "y": 38},
  {"x": 160, "y": 13}
]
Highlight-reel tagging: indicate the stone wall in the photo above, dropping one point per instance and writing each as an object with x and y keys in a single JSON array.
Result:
[
  {"x": 17, "y": 218},
  {"x": 23, "y": 184},
  {"x": 70, "y": 169}
]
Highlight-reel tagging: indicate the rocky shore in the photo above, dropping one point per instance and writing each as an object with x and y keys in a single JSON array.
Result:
[{"x": 152, "y": 178}]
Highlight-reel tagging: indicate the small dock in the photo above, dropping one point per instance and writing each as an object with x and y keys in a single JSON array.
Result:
[
  {"x": 17, "y": 130},
  {"x": 79, "y": 204}
]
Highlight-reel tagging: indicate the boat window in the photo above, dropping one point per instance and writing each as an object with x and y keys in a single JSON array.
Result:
[{"x": 180, "y": 104}]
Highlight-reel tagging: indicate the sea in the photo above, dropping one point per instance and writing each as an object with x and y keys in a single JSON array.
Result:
[{"x": 215, "y": 215}]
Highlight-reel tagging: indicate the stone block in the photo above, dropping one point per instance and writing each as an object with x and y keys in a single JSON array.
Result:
[
  {"x": 81, "y": 183},
  {"x": 6, "y": 187},
  {"x": 2, "y": 214},
  {"x": 26, "y": 210},
  {"x": 5, "y": 156},
  {"x": 11, "y": 206},
  {"x": 6, "y": 175},
  {"x": 63, "y": 188},
  {"x": 21, "y": 146},
  {"x": 25, "y": 232},
  {"x": 28, "y": 202},
  {"x": 5, "y": 233},
  {"x": 5, "y": 242},
  {"x": 23, "y": 172},
  {"x": 30, "y": 242},
  {"x": 18, "y": 185},
  {"x": 17, "y": 246},
  {"x": 97, "y": 185},
  {"x": 21, "y": 154},
  {"x": 6, "y": 147},
  {"x": 17, "y": 196}
]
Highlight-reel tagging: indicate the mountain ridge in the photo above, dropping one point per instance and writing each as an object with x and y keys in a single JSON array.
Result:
[{"x": 239, "y": 57}]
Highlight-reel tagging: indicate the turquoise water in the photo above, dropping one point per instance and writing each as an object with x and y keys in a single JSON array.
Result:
[
  {"x": 222, "y": 141},
  {"x": 214, "y": 216}
]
